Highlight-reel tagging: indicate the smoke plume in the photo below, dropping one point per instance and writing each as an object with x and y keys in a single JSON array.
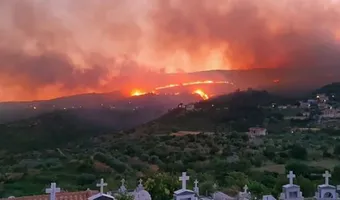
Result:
[{"x": 50, "y": 48}]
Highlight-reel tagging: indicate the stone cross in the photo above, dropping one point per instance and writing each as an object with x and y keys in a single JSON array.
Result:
[
  {"x": 196, "y": 188},
  {"x": 184, "y": 180},
  {"x": 140, "y": 181},
  {"x": 327, "y": 175},
  {"x": 196, "y": 182},
  {"x": 102, "y": 184},
  {"x": 122, "y": 188},
  {"x": 245, "y": 188},
  {"x": 52, "y": 191},
  {"x": 291, "y": 176}
]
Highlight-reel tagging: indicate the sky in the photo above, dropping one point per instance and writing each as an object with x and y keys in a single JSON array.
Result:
[{"x": 52, "y": 48}]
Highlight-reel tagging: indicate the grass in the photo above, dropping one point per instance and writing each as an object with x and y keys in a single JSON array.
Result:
[
  {"x": 325, "y": 163},
  {"x": 280, "y": 168}
]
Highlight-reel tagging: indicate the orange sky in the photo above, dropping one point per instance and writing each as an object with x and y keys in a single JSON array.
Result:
[{"x": 52, "y": 48}]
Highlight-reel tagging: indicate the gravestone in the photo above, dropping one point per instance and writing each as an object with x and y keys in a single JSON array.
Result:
[
  {"x": 196, "y": 188},
  {"x": 326, "y": 191},
  {"x": 184, "y": 193},
  {"x": 101, "y": 195},
  {"x": 291, "y": 191},
  {"x": 53, "y": 190},
  {"x": 101, "y": 185},
  {"x": 245, "y": 194},
  {"x": 122, "y": 188},
  {"x": 140, "y": 193}
]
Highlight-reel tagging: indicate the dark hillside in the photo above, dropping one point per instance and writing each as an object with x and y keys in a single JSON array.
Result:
[
  {"x": 331, "y": 90},
  {"x": 239, "y": 111},
  {"x": 59, "y": 128}
]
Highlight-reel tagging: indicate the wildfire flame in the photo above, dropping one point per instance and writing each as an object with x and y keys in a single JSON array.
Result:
[
  {"x": 194, "y": 83},
  {"x": 137, "y": 93},
  {"x": 202, "y": 94}
]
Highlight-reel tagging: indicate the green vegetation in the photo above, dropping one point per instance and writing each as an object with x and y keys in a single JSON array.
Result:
[{"x": 226, "y": 157}]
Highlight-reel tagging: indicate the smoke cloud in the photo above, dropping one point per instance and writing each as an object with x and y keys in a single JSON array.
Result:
[{"x": 50, "y": 48}]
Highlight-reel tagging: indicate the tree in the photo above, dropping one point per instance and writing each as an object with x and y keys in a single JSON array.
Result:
[
  {"x": 336, "y": 173},
  {"x": 307, "y": 186},
  {"x": 337, "y": 149},
  {"x": 161, "y": 186},
  {"x": 297, "y": 168},
  {"x": 298, "y": 152}
]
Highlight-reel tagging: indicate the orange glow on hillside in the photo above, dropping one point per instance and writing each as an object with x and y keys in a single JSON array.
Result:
[
  {"x": 202, "y": 94},
  {"x": 193, "y": 83},
  {"x": 137, "y": 92}
]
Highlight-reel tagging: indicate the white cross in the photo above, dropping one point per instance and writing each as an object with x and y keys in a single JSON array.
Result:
[
  {"x": 102, "y": 184},
  {"x": 245, "y": 189},
  {"x": 327, "y": 175},
  {"x": 196, "y": 182},
  {"x": 291, "y": 176},
  {"x": 140, "y": 181},
  {"x": 52, "y": 191},
  {"x": 184, "y": 180},
  {"x": 122, "y": 181}
]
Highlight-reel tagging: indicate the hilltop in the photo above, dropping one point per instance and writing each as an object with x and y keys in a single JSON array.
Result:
[
  {"x": 332, "y": 90},
  {"x": 238, "y": 111}
]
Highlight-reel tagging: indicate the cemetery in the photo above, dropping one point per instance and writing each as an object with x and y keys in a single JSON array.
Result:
[{"x": 290, "y": 191}]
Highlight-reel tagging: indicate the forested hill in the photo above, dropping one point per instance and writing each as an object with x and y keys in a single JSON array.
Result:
[
  {"x": 331, "y": 90},
  {"x": 59, "y": 128},
  {"x": 239, "y": 111}
]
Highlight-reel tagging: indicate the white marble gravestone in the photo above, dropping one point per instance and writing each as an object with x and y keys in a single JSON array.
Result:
[
  {"x": 140, "y": 193},
  {"x": 326, "y": 191},
  {"x": 184, "y": 193},
  {"x": 196, "y": 188},
  {"x": 122, "y": 188},
  {"x": 245, "y": 194},
  {"x": 101, "y": 185},
  {"x": 291, "y": 191},
  {"x": 53, "y": 190},
  {"x": 101, "y": 195}
]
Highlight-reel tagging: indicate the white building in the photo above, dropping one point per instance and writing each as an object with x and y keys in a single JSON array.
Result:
[
  {"x": 304, "y": 105},
  {"x": 322, "y": 98},
  {"x": 257, "y": 131},
  {"x": 331, "y": 113},
  {"x": 190, "y": 107}
]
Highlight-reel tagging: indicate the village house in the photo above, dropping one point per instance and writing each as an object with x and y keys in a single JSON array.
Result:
[
  {"x": 190, "y": 107},
  {"x": 323, "y": 106},
  {"x": 304, "y": 105},
  {"x": 323, "y": 98},
  {"x": 282, "y": 107},
  {"x": 300, "y": 130},
  {"x": 257, "y": 131},
  {"x": 331, "y": 113}
]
